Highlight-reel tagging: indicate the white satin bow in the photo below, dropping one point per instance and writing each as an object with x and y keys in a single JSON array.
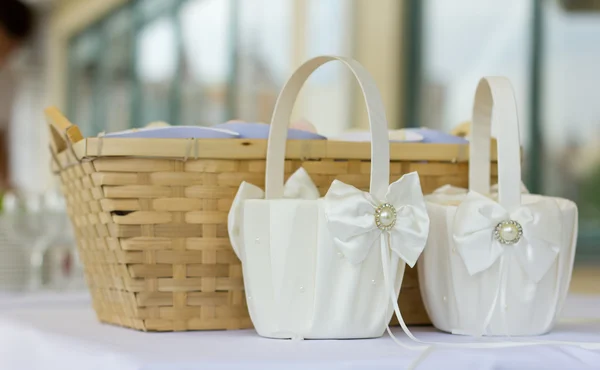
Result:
[
  {"x": 351, "y": 219},
  {"x": 298, "y": 186},
  {"x": 537, "y": 249}
]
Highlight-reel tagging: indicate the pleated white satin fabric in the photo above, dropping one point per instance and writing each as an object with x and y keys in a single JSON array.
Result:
[
  {"x": 471, "y": 284},
  {"x": 474, "y": 282},
  {"x": 313, "y": 267}
]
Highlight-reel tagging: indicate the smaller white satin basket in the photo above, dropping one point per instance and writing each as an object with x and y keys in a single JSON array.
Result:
[
  {"x": 498, "y": 263},
  {"x": 326, "y": 268}
]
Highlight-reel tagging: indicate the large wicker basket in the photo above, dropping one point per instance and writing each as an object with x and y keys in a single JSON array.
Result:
[{"x": 150, "y": 217}]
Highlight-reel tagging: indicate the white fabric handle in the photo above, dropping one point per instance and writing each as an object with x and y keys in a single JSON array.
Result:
[
  {"x": 495, "y": 107},
  {"x": 380, "y": 148}
]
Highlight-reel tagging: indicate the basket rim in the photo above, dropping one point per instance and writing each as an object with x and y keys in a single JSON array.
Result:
[{"x": 91, "y": 148}]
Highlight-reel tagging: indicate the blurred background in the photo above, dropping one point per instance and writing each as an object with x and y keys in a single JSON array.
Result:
[{"x": 118, "y": 64}]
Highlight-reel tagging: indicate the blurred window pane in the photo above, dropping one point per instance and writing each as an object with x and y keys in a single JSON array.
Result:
[
  {"x": 156, "y": 65},
  {"x": 327, "y": 97},
  {"x": 571, "y": 114},
  {"x": 83, "y": 69},
  {"x": 464, "y": 40},
  {"x": 265, "y": 37},
  {"x": 150, "y": 9},
  {"x": 208, "y": 60},
  {"x": 118, "y": 62},
  {"x": 201, "y": 62}
]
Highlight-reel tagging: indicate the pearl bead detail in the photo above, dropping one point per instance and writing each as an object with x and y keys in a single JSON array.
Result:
[
  {"x": 257, "y": 241},
  {"x": 385, "y": 216},
  {"x": 373, "y": 282},
  {"x": 508, "y": 232},
  {"x": 301, "y": 289}
]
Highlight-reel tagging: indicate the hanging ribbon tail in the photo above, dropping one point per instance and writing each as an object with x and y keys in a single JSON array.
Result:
[
  {"x": 503, "y": 301},
  {"x": 389, "y": 287},
  {"x": 428, "y": 347},
  {"x": 500, "y": 292},
  {"x": 500, "y": 296}
]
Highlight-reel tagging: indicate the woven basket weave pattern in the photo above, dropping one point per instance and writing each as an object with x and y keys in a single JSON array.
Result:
[{"x": 152, "y": 235}]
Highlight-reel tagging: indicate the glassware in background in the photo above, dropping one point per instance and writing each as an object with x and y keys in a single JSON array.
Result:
[
  {"x": 15, "y": 262},
  {"x": 61, "y": 269},
  {"x": 37, "y": 246}
]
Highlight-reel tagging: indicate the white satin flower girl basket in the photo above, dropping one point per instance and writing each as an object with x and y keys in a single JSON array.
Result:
[
  {"x": 326, "y": 267},
  {"x": 497, "y": 264}
]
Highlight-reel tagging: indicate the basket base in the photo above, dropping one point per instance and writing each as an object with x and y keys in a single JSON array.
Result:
[{"x": 160, "y": 325}]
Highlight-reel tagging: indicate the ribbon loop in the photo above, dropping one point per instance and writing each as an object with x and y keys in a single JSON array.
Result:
[
  {"x": 356, "y": 219},
  {"x": 477, "y": 218},
  {"x": 484, "y": 232}
]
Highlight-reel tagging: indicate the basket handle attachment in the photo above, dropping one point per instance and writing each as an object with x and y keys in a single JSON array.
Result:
[
  {"x": 380, "y": 148},
  {"x": 63, "y": 134},
  {"x": 495, "y": 109}
]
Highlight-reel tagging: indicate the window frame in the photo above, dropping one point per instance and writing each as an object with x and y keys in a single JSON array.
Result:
[{"x": 588, "y": 240}]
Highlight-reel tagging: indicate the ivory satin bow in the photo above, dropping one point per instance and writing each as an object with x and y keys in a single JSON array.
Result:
[
  {"x": 298, "y": 186},
  {"x": 356, "y": 221},
  {"x": 536, "y": 250},
  {"x": 534, "y": 238},
  {"x": 351, "y": 216}
]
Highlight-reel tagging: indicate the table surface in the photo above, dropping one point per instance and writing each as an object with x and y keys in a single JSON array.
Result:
[{"x": 60, "y": 331}]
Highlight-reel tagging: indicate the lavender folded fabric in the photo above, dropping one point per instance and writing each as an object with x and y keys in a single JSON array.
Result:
[
  {"x": 261, "y": 131},
  {"x": 421, "y": 135},
  {"x": 439, "y": 137},
  {"x": 176, "y": 132}
]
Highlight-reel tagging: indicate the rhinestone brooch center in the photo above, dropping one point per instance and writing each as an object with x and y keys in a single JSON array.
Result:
[
  {"x": 508, "y": 232},
  {"x": 385, "y": 217}
]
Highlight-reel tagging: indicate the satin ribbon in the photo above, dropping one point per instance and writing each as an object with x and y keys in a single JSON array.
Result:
[
  {"x": 427, "y": 348},
  {"x": 536, "y": 251},
  {"x": 351, "y": 219},
  {"x": 306, "y": 189},
  {"x": 535, "y": 272}
]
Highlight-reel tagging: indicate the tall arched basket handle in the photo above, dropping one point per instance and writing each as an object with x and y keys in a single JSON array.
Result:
[
  {"x": 495, "y": 108},
  {"x": 380, "y": 148}
]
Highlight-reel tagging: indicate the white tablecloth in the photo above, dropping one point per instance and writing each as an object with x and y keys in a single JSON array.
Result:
[{"x": 61, "y": 332}]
